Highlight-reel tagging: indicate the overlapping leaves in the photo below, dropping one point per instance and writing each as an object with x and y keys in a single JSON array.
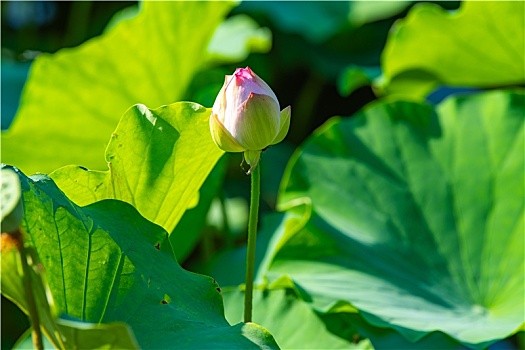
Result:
[
  {"x": 291, "y": 320},
  {"x": 158, "y": 161},
  {"x": 73, "y": 99},
  {"x": 105, "y": 263}
]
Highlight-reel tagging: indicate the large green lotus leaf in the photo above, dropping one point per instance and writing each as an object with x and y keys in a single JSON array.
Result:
[
  {"x": 158, "y": 160},
  {"x": 280, "y": 303},
  {"x": 233, "y": 40},
  {"x": 72, "y": 99},
  {"x": 106, "y": 263},
  {"x": 291, "y": 320},
  {"x": 417, "y": 216},
  {"x": 342, "y": 320},
  {"x": 480, "y": 45}
]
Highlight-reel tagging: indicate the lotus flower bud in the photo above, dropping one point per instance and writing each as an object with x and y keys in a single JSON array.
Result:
[{"x": 246, "y": 116}]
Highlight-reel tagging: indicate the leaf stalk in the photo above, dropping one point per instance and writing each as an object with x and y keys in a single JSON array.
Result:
[{"x": 252, "y": 236}]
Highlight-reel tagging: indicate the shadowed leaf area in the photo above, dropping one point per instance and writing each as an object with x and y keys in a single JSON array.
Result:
[
  {"x": 158, "y": 160},
  {"x": 417, "y": 217}
]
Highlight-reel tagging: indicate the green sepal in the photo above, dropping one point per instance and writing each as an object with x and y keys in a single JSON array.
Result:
[{"x": 285, "y": 125}]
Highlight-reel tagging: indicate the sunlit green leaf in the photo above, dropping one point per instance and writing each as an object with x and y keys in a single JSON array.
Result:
[
  {"x": 158, "y": 160},
  {"x": 370, "y": 11},
  {"x": 480, "y": 45},
  {"x": 105, "y": 263},
  {"x": 73, "y": 99},
  {"x": 418, "y": 217}
]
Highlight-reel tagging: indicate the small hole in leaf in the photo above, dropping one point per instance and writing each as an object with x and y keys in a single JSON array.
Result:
[
  {"x": 166, "y": 299},
  {"x": 83, "y": 168},
  {"x": 218, "y": 289},
  {"x": 157, "y": 246}
]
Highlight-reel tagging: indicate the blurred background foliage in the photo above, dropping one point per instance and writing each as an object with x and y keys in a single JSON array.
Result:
[{"x": 320, "y": 57}]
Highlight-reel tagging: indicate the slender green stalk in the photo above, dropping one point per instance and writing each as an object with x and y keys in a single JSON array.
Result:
[
  {"x": 30, "y": 297},
  {"x": 252, "y": 235}
]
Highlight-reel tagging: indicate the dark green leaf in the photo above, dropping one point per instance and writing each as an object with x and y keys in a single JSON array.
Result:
[
  {"x": 417, "y": 217},
  {"x": 105, "y": 263}
]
